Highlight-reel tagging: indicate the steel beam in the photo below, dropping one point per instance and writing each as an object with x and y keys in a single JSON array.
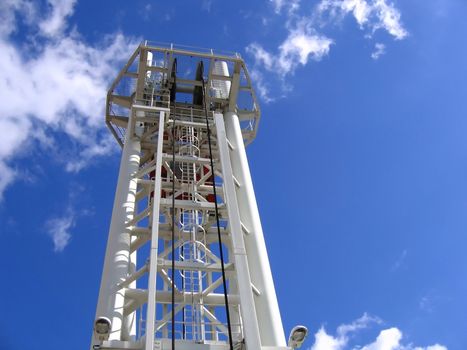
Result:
[
  {"x": 250, "y": 322},
  {"x": 151, "y": 301},
  {"x": 117, "y": 258},
  {"x": 266, "y": 306}
]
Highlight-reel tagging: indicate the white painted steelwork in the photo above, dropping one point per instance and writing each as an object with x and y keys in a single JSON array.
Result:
[{"x": 159, "y": 118}]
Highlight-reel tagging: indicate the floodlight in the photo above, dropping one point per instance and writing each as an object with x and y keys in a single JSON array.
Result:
[
  {"x": 102, "y": 328},
  {"x": 297, "y": 336}
]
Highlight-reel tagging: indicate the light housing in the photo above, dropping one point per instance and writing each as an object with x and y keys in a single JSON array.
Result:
[
  {"x": 102, "y": 327},
  {"x": 297, "y": 336}
]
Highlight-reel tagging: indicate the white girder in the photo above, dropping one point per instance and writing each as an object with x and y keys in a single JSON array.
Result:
[{"x": 137, "y": 282}]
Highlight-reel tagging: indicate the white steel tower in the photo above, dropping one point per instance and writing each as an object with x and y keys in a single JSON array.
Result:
[{"x": 186, "y": 265}]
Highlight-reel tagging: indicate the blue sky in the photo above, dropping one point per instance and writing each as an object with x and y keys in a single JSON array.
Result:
[{"x": 360, "y": 164}]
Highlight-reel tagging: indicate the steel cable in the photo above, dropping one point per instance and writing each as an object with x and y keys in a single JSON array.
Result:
[
  {"x": 221, "y": 252},
  {"x": 174, "y": 67},
  {"x": 173, "y": 232}
]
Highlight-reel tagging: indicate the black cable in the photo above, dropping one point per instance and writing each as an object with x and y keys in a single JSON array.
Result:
[
  {"x": 182, "y": 257},
  {"x": 173, "y": 231},
  {"x": 173, "y": 91},
  {"x": 221, "y": 253}
]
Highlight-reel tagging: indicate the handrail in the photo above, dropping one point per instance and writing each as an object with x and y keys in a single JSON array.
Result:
[{"x": 171, "y": 46}]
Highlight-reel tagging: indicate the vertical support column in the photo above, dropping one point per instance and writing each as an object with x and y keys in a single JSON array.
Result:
[
  {"x": 117, "y": 256},
  {"x": 129, "y": 322},
  {"x": 267, "y": 308},
  {"x": 142, "y": 73},
  {"x": 250, "y": 322},
  {"x": 165, "y": 287},
  {"x": 235, "y": 316},
  {"x": 151, "y": 306}
]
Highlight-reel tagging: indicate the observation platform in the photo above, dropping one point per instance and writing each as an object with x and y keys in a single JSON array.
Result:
[{"x": 171, "y": 65}]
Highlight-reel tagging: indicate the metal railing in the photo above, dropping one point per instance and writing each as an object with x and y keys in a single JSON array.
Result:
[{"x": 209, "y": 51}]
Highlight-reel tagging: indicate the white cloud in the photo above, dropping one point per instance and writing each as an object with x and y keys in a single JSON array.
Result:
[
  {"x": 103, "y": 146},
  {"x": 65, "y": 83},
  {"x": 278, "y": 4},
  {"x": 304, "y": 43},
  {"x": 291, "y": 5},
  {"x": 372, "y": 14},
  {"x": 59, "y": 227},
  {"x": 14, "y": 133},
  {"x": 400, "y": 262},
  {"x": 390, "y": 339},
  {"x": 59, "y": 230},
  {"x": 359, "y": 8},
  {"x": 389, "y": 19},
  {"x": 339, "y": 8},
  {"x": 6, "y": 177},
  {"x": 261, "y": 88},
  {"x": 55, "y": 22},
  {"x": 206, "y": 5},
  {"x": 298, "y": 48},
  {"x": 387, "y": 339},
  {"x": 431, "y": 301},
  {"x": 324, "y": 341},
  {"x": 54, "y": 82},
  {"x": 358, "y": 324},
  {"x": 426, "y": 304},
  {"x": 262, "y": 57},
  {"x": 145, "y": 11},
  {"x": 8, "y": 14},
  {"x": 380, "y": 49}
]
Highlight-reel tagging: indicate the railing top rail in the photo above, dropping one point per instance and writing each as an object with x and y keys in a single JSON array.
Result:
[{"x": 201, "y": 50}]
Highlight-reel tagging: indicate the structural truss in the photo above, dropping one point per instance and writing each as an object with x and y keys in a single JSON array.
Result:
[{"x": 186, "y": 264}]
